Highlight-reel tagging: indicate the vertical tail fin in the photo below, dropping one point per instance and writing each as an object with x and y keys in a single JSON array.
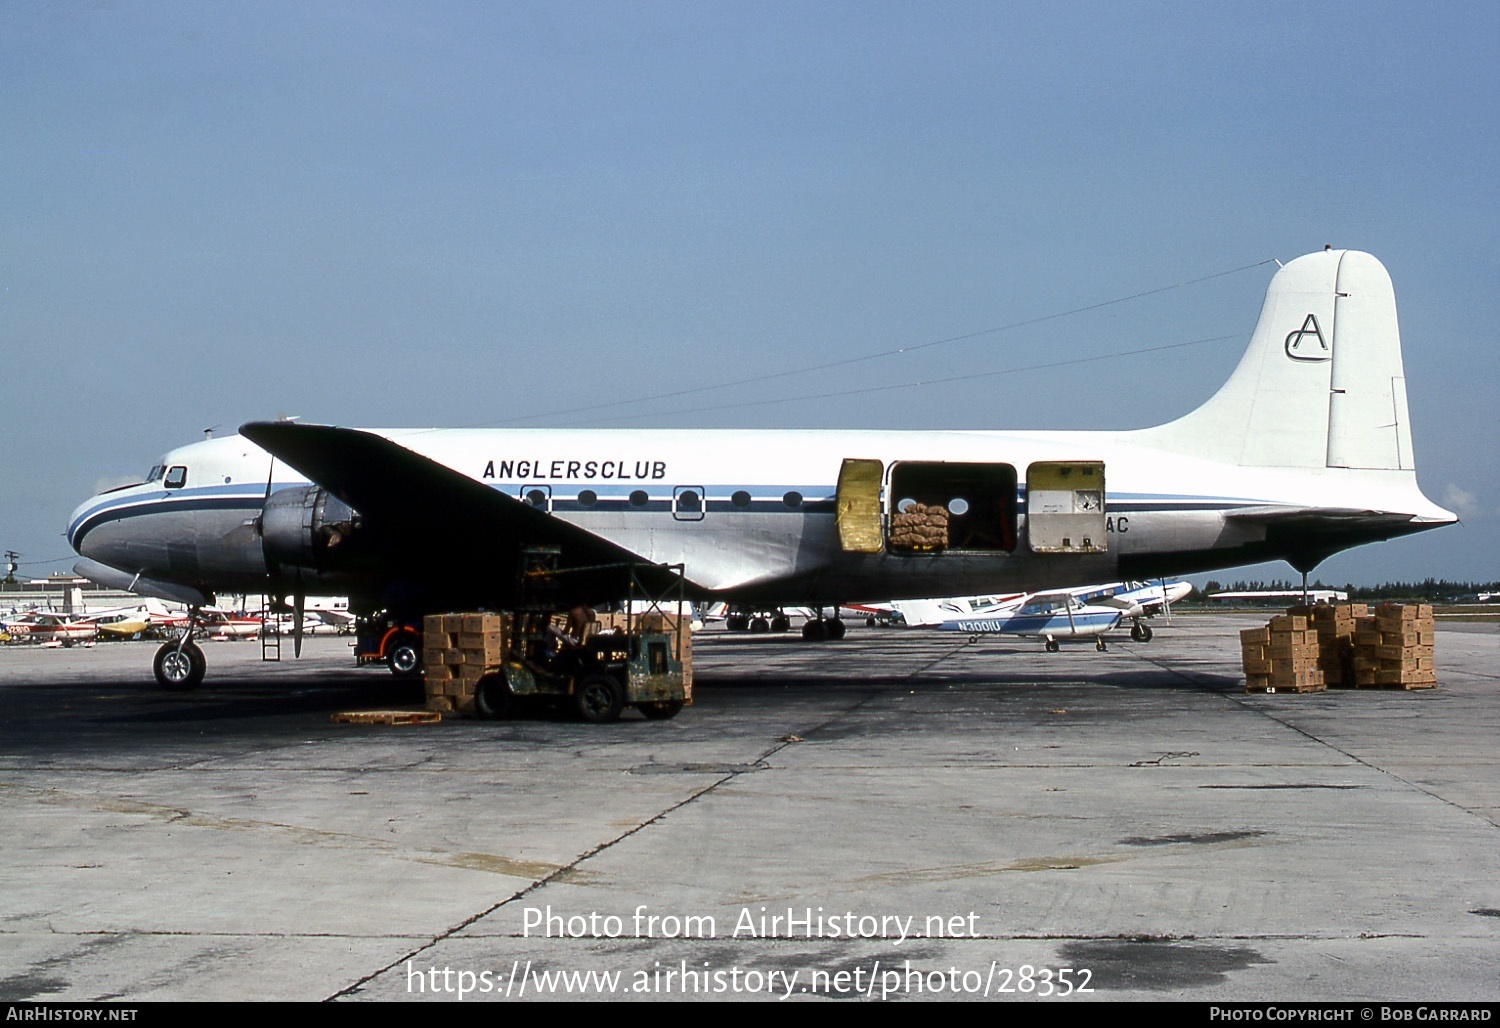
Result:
[{"x": 1321, "y": 383}]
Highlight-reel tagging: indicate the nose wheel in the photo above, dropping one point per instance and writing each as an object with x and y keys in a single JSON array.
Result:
[{"x": 179, "y": 666}]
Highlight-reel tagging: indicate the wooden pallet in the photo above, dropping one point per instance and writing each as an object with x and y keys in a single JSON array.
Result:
[{"x": 386, "y": 717}]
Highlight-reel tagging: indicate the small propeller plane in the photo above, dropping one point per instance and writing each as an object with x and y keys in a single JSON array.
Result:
[
  {"x": 1305, "y": 451},
  {"x": 1138, "y": 601},
  {"x": 1084, "y": 611},
  {"x": 1049, "y": 616}
]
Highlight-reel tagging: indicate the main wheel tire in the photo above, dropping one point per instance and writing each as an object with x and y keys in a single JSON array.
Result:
[
  {"x": 1052, "y": 646},
  {"x": 661, "y": 710},
  {"x": 179, "y": 669},
  {"x": 736, "y": 623},
  {"x": 598, "y": 699},
  {"x": 759, "y": 626},
  {"x": 834, "y": 628},
  {"x": 815, "y": 630},
  {"x": 493, "y": 699},
  {"x": 1099, "y": 644},
  {"x": 781, "y": 623},
  {"x": 404, "y": 656},
  {"x": 1141, "y": 633}
]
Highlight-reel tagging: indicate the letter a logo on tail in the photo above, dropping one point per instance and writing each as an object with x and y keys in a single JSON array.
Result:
[{"x": 1294, "y": 341}]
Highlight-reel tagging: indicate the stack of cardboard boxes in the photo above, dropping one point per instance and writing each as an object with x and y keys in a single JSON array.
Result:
[
  {"x": 1313, "y": 648},
  {"x": 1282, "y": 657},
  {"x": 456, "y": 650},
  {"x": 1335, "y": 625},
  {"x": 1393, "y": 649}
]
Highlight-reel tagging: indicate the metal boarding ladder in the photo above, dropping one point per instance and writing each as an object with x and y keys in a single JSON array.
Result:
[{"x": 270, "y": 633}]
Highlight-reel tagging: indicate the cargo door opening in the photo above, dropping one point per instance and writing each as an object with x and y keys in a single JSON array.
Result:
[
  {"x": 940, "y": 506},
  {"x": 1065, "y": 507}
]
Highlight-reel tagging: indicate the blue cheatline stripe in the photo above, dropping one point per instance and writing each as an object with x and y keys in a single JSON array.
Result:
[
  {"x": 615, "y": 499},
  {"x": 174, "y": 504},
  {"x": 1031, "y": 624}
]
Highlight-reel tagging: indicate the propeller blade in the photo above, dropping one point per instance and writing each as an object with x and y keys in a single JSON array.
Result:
[{"x": 299, "y": 603}]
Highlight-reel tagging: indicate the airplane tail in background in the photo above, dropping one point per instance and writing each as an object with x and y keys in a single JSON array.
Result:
[{"x": 1321, "y": 383}]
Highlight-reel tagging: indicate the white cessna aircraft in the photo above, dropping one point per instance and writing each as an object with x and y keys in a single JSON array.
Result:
[
  {"x": 1305, "y": 451},
  {"x": 981, "y": 615}
]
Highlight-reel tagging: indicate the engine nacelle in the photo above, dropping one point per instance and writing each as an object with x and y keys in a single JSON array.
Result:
[{"x": 306, "y": 527}]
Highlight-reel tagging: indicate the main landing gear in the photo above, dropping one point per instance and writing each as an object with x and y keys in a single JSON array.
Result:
[
  {"x": 1140, "y": 633},
  {"x": 821, "y": 629},
  {"x": 758, "y": 623},
  {"x": 815, "y": 629}
]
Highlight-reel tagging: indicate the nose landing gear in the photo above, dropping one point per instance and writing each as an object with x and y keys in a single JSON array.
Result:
[{"x": 180, "y": 665}]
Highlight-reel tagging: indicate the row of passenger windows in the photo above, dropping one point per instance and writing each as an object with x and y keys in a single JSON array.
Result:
[
  {"x": 686, "y": 499},
  {"x": 690, "y": 500}
]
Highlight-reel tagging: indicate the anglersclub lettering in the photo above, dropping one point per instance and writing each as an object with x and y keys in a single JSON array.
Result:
[{"x": 564, "y": 470}]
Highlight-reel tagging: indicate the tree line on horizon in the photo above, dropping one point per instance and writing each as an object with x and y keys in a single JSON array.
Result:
[{"x": 1428, "y": 590}]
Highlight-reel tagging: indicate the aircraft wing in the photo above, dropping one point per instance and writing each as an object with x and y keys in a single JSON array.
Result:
[{"x": 439, "y": 525}]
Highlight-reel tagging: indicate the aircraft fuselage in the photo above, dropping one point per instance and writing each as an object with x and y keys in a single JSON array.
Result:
[{"x": 768, "y": 533}]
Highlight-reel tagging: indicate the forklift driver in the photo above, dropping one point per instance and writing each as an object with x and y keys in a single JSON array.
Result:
[{"x": 580, "y": 617}]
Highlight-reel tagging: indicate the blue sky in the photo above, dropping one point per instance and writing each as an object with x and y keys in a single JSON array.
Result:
[{"x": 490, "y": 213}]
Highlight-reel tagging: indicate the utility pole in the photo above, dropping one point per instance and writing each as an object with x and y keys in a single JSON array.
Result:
[{"x": 11, "y": 556}]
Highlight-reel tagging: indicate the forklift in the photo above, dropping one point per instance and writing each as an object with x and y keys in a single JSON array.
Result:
[{"x": 639, "y": 656}]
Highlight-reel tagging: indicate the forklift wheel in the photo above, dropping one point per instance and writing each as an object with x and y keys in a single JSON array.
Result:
[
  {"x": 492, "y": 697},
  {"x": 598, "y": 699},
  {"x": 404, "y": 655},
  {"x": 661, "y": 710}
]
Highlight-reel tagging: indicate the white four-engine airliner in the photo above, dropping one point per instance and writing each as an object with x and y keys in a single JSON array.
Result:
[{"x": 1305, "y": 451}]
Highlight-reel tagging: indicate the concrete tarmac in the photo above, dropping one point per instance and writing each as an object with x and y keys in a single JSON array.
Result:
[{"x": 902, "y": 815}]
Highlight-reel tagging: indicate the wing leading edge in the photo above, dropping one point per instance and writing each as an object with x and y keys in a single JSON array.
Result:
[{"x": 441, "y": 530}]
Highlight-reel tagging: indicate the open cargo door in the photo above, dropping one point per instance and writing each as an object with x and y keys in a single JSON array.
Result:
[
  {"x": 1065, "y": 506},
  {"x": 859, "y": 506}
]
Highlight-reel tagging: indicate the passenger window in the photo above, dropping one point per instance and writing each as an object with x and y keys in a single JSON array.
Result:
[
  {"x": 176, "y": 477},
  {"x": 687, "y": 503}
]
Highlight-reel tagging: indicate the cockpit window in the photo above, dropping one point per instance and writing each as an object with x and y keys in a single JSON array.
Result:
[
  {"x": 176, "y": 477},
  {"x": 156, "y": 472}
]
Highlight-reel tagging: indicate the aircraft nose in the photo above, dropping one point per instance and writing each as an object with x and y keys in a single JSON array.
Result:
[
  {"x": 77, "y": 533},
  {"x": 97, "y": 529}
]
